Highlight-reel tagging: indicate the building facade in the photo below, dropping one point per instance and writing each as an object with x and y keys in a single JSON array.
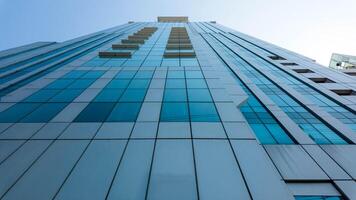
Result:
[{"x": 173, "y": 110}]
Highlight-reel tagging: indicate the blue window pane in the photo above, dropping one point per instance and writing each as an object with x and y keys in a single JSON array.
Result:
[
  {"x": 17, "y": 111},
  {"x": 95, "y": 63},
  {"x": 203, "y": 112},
  {"x": 41, "y": 96},
  {"x": 118, "y": 83},
  {"x": 175, "y": 83},
  {"x": 196, "y": 83},
  {"x": 329, "y": 134},
  {"x": 152, "y": 63},
  {"x": 170, "y": 62},
  {"x": 263, "y": 134},
  {"x": 109, "y": 95},
  {"x": 279, "y": 134},
  {"x": 132, "y": 63},
  {"x": 139, "y": 83},
  {"x": 75, "y": 74},
  {"x": 67, "y": 95},
  {"x": 95, "y": 112},
  {"x": 124, "y": 112},
  {"x": 194, "y": 74},
  {"x": 81, "y": 83},
  {"x": 175, "y": 95},
  {"x": 44, "y": 112},
  {"x": 199, "y": 95},
  {"x": 133, "y": 95},
  {"x": 114, "y": 63},
  {"x": 314, "y": 134},
  {"x": 60, "y": 84},
  {"x": 93, "y": 74},
  {"x": 174, "y": 112},
  {"x": 176, "y": 74},
  {"x": 125, "y": 74},
  {"x": 188, "y": 62},
  {"x": 144, "y": 74}
]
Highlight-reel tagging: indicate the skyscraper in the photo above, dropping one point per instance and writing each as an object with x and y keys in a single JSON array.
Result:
[{"x": 173, "y": 110}]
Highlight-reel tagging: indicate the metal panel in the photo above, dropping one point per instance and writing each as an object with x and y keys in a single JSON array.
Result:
[
  {"x": 7, "y": 147},
  {"x": 21, "y": 131},
  {"x": 80, "y": 131},
  {"x": 329, "y": 166},
  {"x": 133, "y": 174},
  {"x": 50, "y": 131},
  {"x": 94, "y": 171},
  {"x": 311, "y": 189},
  {"x": 114, "y": 130},
  {"x": 174, "y": 130},
  {"x": 144, "y": 130},
  {"x": 262, "y": 179},
  {"x": 294, "y": 163},
  {"x": 17, "y": 164},
  {"x": 344, "y": 155},
  {"x": 348, "y": 188},
  {"x": 218, "y": 174},
  {"x": 45, "y": 177},
  {"x": 172, "y": 173}
]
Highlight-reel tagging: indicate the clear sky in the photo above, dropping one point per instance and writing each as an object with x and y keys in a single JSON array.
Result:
[{"x": 314, "y": 28}]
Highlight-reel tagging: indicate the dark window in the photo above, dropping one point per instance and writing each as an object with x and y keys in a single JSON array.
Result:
[
  {"x": 344, "y": 92},
  {"x": 303, "y": 71},
  {"x": 276, "y": 57},
  {"x": 321, "y": 80}
]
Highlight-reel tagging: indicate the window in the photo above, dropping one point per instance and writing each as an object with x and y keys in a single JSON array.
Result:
[
  {"x": 176, "y": 74},
  {"x": 125, "y": 74},
  {"x": 203, "y": 112},
  {"x": 116, "y": 84},
  {"x": 172, "y": 95},
  {"x": 44, "y": 113},
  {"x": 289, "y": 64},
  {"x": 41, "y": 96},
  {"x": 95, "y": 112},
  {"x": 17, "y": 111},
  {"x": 133, "y": 95},
  {"x": 276, "y": 57},
  {"x": 139, "y": 83},
  {"x": 109, "y": 95},
  {"x": 196, "y": 83},
  {"x": 174, "y": 112},
  {"x": 124, "y": 112},
  {"x": 175, "y": 83},
  {"x": 303, "y": 71},
  {"x": 67, "y": 95},
  {"x": 321, "y": 80},
  {"x": 344, "y": 92},
  {"x": 199, "y": 95}
]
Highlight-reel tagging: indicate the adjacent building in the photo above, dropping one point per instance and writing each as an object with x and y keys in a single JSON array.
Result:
[
  {"x": 340, "y": 61},
  {"x": 344, "y": 63},
  {"x": 173, "y": 109}
]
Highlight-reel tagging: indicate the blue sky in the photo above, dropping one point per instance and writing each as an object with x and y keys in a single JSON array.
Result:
[{"x": 313, "y": 28}]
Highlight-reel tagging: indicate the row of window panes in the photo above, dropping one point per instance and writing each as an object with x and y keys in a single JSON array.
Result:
[{"x": 260, "y": 80}]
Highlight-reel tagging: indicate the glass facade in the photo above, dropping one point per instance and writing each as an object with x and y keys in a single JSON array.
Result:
[{"x": 173, "y": 110}]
